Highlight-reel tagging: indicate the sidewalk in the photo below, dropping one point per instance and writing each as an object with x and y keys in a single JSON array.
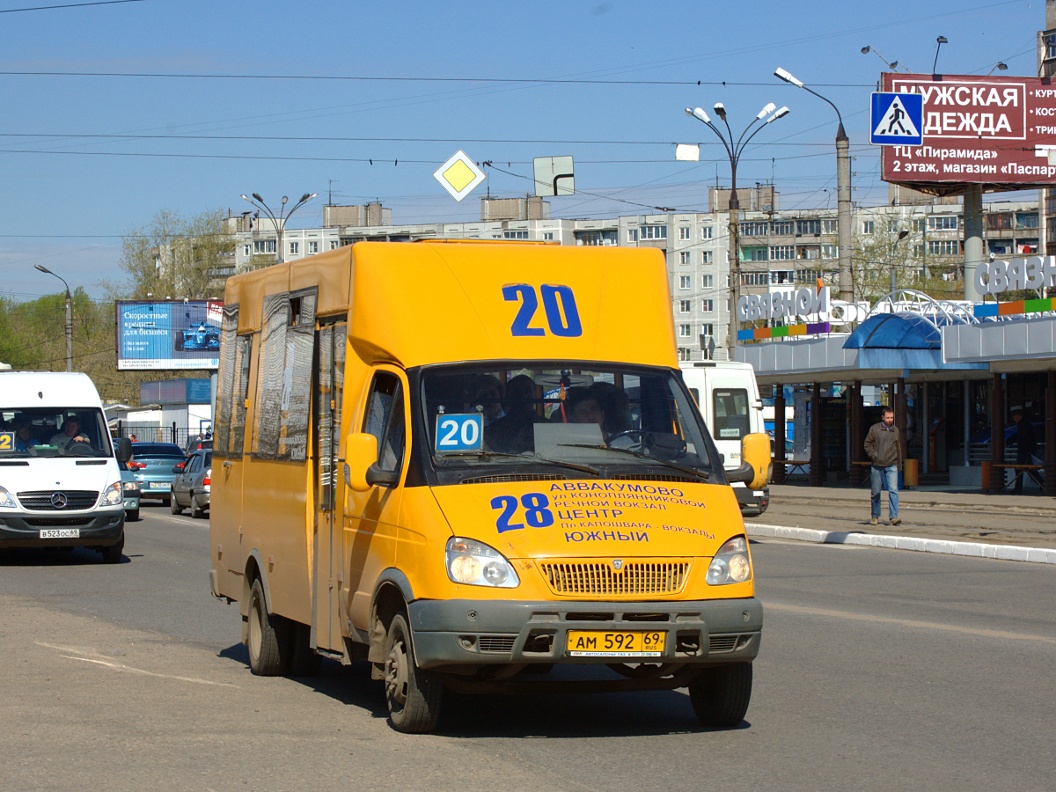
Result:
[{"x": 936, "y": 519}]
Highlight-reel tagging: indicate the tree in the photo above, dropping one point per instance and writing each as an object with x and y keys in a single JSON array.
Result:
[
  {"x": 884, "y": 251},
  {"x": 174, "y": 258}
]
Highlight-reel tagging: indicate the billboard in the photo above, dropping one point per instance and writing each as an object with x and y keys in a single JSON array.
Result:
[
  {"x": 161, "y": 335},
  {"x": 993, "y": 131}
]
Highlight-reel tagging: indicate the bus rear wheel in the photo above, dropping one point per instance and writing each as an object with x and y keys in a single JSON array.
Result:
[
  {"x": 413, "y": 694},
  {"x": 720, "y": 695}
]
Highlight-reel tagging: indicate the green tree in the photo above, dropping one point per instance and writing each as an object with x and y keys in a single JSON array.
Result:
[
  {"x": 883, "y": 252},
  {"x": 173, "y": 257}
]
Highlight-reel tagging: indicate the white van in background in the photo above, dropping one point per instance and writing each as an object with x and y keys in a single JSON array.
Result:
[
  {"x": 60, "y": 485},
  {"x": 728, "y": 397}
]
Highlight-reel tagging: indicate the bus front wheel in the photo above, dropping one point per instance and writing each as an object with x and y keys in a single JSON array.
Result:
[
  {"x": 267, "y": 639},
  {"x": 413, "y": 694},
  {"x": 720, "y": 695}
]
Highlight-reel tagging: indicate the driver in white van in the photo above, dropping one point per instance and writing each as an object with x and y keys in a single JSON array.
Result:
[{"x": 71, "y": 433}]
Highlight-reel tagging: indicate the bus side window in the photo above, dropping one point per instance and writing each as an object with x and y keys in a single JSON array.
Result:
[{"x": 385, "y": 420}]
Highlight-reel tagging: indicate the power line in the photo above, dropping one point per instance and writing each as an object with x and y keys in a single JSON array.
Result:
[{"x": 68, "y": 5}]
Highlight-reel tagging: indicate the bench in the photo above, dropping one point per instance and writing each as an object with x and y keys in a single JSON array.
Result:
[
  {"x": 1020, "y": 470},
  {"x": 793, "y": 467}
]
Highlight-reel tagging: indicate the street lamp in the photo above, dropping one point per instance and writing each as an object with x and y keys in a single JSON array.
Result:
[
  {"x": 893, "y": 65},
  {"x": 279, "y": 222},
  {"x": 734, "y": 151},
  {"x": 999, "y": 66},
  {"x": 938, "y": 45},
  {"x": 843, "y": 190},
  {"x": 69, "y": 316},
  {"x": 894, "y": 284}
]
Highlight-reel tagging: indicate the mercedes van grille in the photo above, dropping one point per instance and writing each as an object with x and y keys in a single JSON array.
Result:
[
  {"x": 50, "y": 500},
  {"x": 602, "y": 579}
]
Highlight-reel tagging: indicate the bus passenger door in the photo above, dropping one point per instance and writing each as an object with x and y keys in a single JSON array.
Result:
[{"x": 327, "y": 545}]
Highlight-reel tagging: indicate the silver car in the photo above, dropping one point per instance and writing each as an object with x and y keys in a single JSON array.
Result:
[{"x": 190, "y": 488}]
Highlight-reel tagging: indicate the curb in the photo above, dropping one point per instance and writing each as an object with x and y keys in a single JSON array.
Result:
[{"x": 1036, "y": 555}]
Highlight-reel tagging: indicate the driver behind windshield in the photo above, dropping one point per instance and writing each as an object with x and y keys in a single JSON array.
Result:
[{"x": 71, "y": 433}]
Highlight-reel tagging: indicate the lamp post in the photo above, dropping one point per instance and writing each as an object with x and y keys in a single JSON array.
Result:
[
  {"x": 843, "y": 191},
  {"x": 278, "y": 222},
  {"x": 734, "y": 151},
  {"x": 894, "y": 281},
  {"x": 939, "y": 41},
  {"x": 69, "y": 316},
  {"x": 893, "y": 65}
]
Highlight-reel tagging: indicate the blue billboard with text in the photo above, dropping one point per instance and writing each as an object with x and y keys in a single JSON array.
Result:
[{"x": 160, "y": 335}]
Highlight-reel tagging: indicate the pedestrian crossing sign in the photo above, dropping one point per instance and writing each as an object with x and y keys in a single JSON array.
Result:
[{"x": 897, "y": 119}]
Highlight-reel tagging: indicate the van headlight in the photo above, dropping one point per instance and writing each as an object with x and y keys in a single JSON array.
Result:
[
  {"x": 112, "y": 495},
  {"x": 731, "y": 564},
  {"x": 7, "y": 500},
  {"x": 475, "y": 564}
]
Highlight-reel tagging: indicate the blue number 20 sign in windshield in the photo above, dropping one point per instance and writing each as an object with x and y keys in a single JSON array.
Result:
[{"x": 459, "y": 432}]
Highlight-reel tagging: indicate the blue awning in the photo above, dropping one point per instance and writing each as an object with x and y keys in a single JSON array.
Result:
[{"x": 895, "y": 331}]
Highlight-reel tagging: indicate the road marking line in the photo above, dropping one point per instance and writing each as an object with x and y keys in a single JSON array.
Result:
[
  {"x": 82, "y": 656},
  {"x": 977, "y": 631}
]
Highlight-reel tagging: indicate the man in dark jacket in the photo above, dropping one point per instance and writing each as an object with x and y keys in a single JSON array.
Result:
[
  {"x": 884, "y": 448},
  {"x": 1026, "y": 446}
]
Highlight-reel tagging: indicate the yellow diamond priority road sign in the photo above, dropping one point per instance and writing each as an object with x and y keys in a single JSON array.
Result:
[{"x": 459, "y": 175}]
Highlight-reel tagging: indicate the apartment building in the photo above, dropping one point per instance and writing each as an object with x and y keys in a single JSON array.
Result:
[{"x": 779, "y": 249}]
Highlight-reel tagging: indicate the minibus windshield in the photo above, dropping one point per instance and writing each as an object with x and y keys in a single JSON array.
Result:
[
  {"x": 591, "y": 415},
  {"x": 53, "y": 431}
]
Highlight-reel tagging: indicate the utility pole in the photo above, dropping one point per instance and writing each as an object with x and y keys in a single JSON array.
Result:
[{"x": 843, "y": 188}]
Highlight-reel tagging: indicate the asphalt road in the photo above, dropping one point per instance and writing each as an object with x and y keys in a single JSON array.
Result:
[{"x": 880, "y": 670}]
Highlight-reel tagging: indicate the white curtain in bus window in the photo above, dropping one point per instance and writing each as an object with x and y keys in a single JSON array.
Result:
[
  {"x": 226, "y": 381},
  {"x": 285, "y": 381},
  {"x": 297, "y": 378}
]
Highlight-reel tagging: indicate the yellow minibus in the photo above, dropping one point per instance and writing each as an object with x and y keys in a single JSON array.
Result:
[{"x": 475, "y": 465}]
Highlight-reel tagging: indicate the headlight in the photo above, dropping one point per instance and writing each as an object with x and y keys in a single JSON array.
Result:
[
  {"x": 113, "y": 495},
  {"x": 131, "y": 485},
  {"x": 476, "y": 564},
  {"x": 7, "y": 500},
  {"x": 731, "y": 564}
]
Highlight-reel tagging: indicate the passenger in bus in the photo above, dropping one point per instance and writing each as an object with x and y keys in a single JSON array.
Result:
[
  {"x": 487, "y": 397},
  {"x": 514, "y": 433}
]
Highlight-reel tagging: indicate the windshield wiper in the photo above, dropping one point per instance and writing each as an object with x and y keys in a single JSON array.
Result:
[
  {"x": 483, "y": 455},
  {"x": 701, "y": 474}
]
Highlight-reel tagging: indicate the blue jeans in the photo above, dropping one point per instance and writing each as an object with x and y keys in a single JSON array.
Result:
[{"x": 884, "y": 478}]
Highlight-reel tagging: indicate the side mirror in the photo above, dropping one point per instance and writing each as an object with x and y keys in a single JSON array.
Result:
[
  {"x": 361, "y": 463},
  {"x": 123, "y": 449},
  {"x": 755, "y": 466}
]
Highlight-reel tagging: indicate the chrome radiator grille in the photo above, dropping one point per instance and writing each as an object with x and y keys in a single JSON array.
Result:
[{"x": 602, "y": 579}]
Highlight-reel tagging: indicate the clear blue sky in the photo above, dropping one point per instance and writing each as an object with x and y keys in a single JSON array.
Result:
[{"x": 298, "y": 97}]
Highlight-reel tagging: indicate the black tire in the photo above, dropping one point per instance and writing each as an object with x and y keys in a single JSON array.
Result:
[
  {"x": 304, "y": 662},
  {"x": 413, "y": 694},
  {"x": 132, "y": 516},
  {"x": 196, "y": 511},
  {"x": 720, "y": 695},
  {"x": 113, "y": 553},
  {"x": 174, "y": 506},
  {"x": 268, "y": 639}
]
